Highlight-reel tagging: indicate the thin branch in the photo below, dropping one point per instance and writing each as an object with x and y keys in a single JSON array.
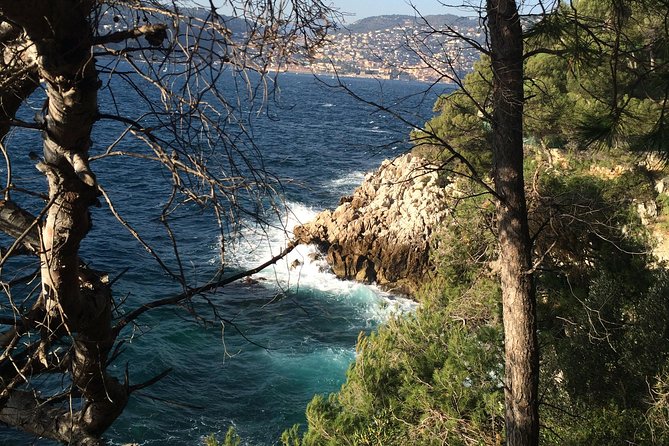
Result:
[
  {"x": 173, "y": 300},
  {"x": 148, "y": 31},
  {"x": 149, "y": 382}
]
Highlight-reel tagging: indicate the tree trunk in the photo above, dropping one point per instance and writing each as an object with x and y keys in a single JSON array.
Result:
[
  {"x": 76, "y": 301},
  {"x": 68, "y": 67},
  {"x": 518, "y": 293}
]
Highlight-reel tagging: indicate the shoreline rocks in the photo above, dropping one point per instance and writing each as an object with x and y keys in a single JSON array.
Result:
[{"x": 381, "y": 234}]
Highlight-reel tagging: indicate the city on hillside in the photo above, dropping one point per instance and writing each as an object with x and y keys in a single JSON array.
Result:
[
  {"x": 400, "y": 47},
  {"x": 425, "y": 48}
]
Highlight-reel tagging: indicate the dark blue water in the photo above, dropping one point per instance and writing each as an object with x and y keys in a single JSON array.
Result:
[{"x": 285, "y": 337}]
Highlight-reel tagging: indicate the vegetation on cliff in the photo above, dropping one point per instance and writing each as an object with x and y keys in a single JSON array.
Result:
[
  {"x": 436, "y": 376},
  {"x": 592, "y": 98}
]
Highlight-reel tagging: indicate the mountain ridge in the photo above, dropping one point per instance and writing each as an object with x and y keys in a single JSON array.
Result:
[{"x": 385, "y": 21}]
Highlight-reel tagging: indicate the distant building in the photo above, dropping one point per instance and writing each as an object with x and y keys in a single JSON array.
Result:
[{"x": 398, "y": 47}]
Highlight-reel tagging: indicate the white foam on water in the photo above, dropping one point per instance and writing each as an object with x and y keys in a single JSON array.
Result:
[
  {"x": 306, "y": 267},
  {"x": 319, "y": 358},
  {"x": 349, "y": 181},
  {"x": 389, "y": 304}
]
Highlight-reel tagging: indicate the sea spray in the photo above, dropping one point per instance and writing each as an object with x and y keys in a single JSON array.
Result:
[{"x": 305, "y": 267}]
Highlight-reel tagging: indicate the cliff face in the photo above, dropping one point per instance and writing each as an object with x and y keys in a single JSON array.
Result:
[{"x": 382, "y": 232}]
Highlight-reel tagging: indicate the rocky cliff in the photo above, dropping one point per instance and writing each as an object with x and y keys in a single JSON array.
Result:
[{"x": 382, "y": 232}]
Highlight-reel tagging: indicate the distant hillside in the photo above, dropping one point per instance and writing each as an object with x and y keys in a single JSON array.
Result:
[{"x": 382, "y": 22}]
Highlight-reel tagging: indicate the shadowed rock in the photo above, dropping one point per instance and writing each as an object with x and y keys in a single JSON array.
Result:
[{"x": 382, "y": 232}]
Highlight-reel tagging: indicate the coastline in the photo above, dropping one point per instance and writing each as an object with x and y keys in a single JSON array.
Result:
[
  {"x": 311, "y": 70},
  {"x": 382, "y": 233}
]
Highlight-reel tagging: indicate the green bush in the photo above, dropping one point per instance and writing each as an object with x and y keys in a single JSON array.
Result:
[
  {"x": 231, "y": 439},
  {"x": 435, "y": 376}
]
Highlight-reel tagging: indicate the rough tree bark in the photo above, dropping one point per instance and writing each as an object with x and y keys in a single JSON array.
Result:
[
  {"x": 75, "y": 302},
  {"x": 515, "y": 246}
]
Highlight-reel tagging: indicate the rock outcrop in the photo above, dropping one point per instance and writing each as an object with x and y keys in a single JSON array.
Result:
[{"x": 382, "y": 232}]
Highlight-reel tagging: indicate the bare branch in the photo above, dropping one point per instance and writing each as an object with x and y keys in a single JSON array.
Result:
[
  {"x": 155, "y": 34},
  {"x": 173, "y": 300}
]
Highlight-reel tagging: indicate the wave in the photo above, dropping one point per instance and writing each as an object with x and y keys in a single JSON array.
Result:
[
  {"x": 348, "y": 182},
  {"x": 321, "y": 359},
  {"x": 305, "y": 268}
]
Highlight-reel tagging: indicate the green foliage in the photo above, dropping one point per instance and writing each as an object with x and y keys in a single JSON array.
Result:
[
  {"x": 658, "y": 415},
  {"x": 231, "y": 439},
  {"x": 597, "y": 78},
  {"x": 662, "y": 223},
  {"x": 547, "y": 102},
  {"x": 435, "y": 377},
  {"x": 600, "y": 426},
  {"x": 210, "y": 440},
  {"x": 603, "y": 313},
  {"x": 461, "y": 125},
  {"x": 291, "y": 437},
  {"x": 467, "y": 242},
  {"x": 608, "y": 59}
]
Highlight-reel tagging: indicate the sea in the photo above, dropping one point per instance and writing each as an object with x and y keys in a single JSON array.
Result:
[{"x": 251, "y": 354}]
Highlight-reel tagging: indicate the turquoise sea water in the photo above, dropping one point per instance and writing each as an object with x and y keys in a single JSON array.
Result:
[{"x": 290, "y": 333}]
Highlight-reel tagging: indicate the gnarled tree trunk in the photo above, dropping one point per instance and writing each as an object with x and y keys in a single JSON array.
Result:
[{"x": 76, "y": 303}]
